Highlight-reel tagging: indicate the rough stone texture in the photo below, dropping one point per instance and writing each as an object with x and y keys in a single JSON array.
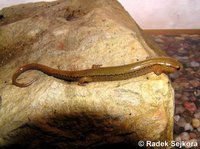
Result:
[{"x": 74, "y": 35}]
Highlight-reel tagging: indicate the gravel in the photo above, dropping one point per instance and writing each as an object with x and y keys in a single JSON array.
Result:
[{"x": 186, "y": 83}]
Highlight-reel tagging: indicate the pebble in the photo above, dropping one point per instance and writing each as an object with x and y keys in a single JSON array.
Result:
[
  {"x": 197, "y": 115},
  {"x": 177, "y": 95},
  {"x": 181, "y": 50},
  {"x": 181, "y": 122},
  {"x": 177, "y": 129},
  {"x": 190, "y": 106},
  {"x": 184, "y": 136},
  {"x": 179, "y": 109},
  {"x": 195, "y": 36},
  {"x": 198, "y": 129},
  {"x": 193, "y": 135},
  {"x": 195, "y": 122},
  {"x": 184, "y": 98},
  {"x": 187, "y": 116},
  {"x": 198, "y": 140},
  {"x": 179, "y": 38},
  {"x": 174, "y": 75},
  {"x": 194, "y": 64},
  {"x": 177, "y": 118},
  {"x": 188, "y": 126},
  {"x": 195, "y": 83},
  {"x": 185, "y": 58},
  {"x": 197, "y": 93},
  {"x": 178, "y": 139},
  {"x": 159, "y": 40},
  {"x": 175, "y": 85},
  {"x": 184, "y": 84}
]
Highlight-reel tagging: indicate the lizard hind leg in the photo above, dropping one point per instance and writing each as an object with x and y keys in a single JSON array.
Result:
[
  {"x": 84, "y": 80},
  {"x": 157, "y": 70}
]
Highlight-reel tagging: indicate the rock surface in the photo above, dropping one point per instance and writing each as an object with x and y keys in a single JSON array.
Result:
[{"x": 74, "y": 35}]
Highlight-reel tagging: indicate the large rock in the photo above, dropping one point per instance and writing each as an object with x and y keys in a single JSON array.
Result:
[{"x": 74, "y": 35}]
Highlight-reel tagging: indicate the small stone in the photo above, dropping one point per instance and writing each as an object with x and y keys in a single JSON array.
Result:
[
  {"x": 175, "y": 75},
  {"x": 193, "y": 135},
  {"x": 176, "y": 118},
  {"x": 195, "y": 83},
  {"x": 186, "y": 94},
  {"x": 177, "y": 95},
  {"x": 179, "y": 109},
  {"x": 197, "y": 102},
  {"x": 182, "y": 51},
  {"x": 197, "y": 93},
  {"x": 188, "y": 126},
  {"x": 184, "y": 136},
  {"x": 195, "y": 36},
  {"x": 187, "y": 115},
  {"x": 178, "y": 129},
  {"x": 184, "y": 98},
  {"x": 195, "y": 122},
  {"x": 190, "y": 106},
  {"x": 194, "y": 64},
  {"x": 159, "y": 40},
  {"x": 185, "y": 58},
  {"x": 193, "y": 99},
  {"x": 179, "y": 38},
  {"x": 177, "y": 57},
  {"x": 198, "y": 140},
  {"x": 184, "y": 84},
  {"x": 198, "y": 129},
  {"x": 197, "y": 115},
  {"x": 176, "y": 85},
  {"x": 181, "y": 122},
  {"x": 177, "y": 102},
  {"x": 178, "y": 139}
]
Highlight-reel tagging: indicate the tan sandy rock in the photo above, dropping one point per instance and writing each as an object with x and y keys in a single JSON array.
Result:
[{"x": 74, "y": 35}]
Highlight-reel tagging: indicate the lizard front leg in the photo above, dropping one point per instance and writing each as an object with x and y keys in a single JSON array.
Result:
[{"x": 84, "y": 80}]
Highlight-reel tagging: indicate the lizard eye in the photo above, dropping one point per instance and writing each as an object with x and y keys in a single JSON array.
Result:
[{"x": 178, "y": 68}]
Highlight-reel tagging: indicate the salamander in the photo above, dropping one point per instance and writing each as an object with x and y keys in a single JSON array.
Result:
[{"x": 95, "y": 74}]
